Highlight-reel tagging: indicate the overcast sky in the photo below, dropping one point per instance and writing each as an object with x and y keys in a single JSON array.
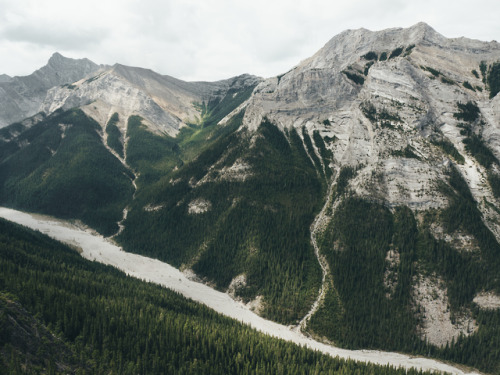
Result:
[{"x": 214, "y": 39}]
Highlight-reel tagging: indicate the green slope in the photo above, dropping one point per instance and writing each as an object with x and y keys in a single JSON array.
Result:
[
  {"x": 83, "y": 317},
  {"x": 60, "y": 167},
  {"x": 257, "y": 225},
  {"x": 360, "y": 311}
]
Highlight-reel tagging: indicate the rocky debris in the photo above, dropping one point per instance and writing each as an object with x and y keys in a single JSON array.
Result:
[
  {"x": 392, "y": 260},
  {"x": 239, "y": 171},
  {"x": 199, "y": 206},
  {"x": 153, "y": 208},
  {"x": 256, "y": 305},
  {"x": 458, "y": 240},
  {"x": 237, "y": 283},
  {"x": 487, "y": 300},
  {"x": 439, "y": 325}
]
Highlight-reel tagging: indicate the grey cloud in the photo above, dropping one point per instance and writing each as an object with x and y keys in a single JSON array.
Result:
[{"x": 58, "y": 37}]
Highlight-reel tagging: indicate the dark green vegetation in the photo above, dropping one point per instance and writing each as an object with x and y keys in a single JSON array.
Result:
[
  {"x": 149, "y": 153},
  {"x": 382, "y": 56},
  {"x": 356, "y": 78},
  {"x": 467, "y": 85},
  {"x": 483, "y": 68},
  {"x": 217, "y": 108},
  {"x": 433, "y": 71},
  {"x": 360, "y": 310},
  {"x": 312, "y": 152},
  {"x": 467, "y": 112},
  {"x": 475, "y": 145},
  {"x": 473, "y": 141},
  {"x": 450, "y": 149},
  {"x": 114, "y": 135},
  {"x": 447, "y": 80},
  {"x": 60, "y": 167},
  {"x": 409, "y": 49},
  {"x": 60, "y": 313},
  {"x": 367, "y": 67},
  {"x": 383, "y": 117},
  {"x": 407, "y": 152},
  {"x": 257, "y": 222},
  {"x": 358, "y": 306},
  {"x": 326, "y": 154},
  {"x": 371, "y": 56},
  {"x": 477, "y": 148},
  {"x": 494, "y": 79},
  {"x": 345, "y": 175},
  {"x": 396, "y": 52}
]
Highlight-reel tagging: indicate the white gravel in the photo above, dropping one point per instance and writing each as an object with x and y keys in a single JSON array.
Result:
[{"x": 97, "y": 248}]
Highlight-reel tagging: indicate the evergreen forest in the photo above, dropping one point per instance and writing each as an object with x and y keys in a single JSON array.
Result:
[{"x": 60, "y": 313}]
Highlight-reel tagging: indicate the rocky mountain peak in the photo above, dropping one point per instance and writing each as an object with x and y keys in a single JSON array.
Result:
[
  {"x": 22, "y": 96},
  {"x": 414, "y": 77},
  {"x": 347, "y": 46},
  {"x": 60, "y": 70},
  {"x": 56, "y": 59},
  {"x": 5, "y": 78}
]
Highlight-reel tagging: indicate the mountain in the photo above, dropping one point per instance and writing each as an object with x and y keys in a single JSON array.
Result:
[
  {"x": 355, "y": 197},
  {"x": 164, "y": 103},
  {"x": 21, "y": 97}
]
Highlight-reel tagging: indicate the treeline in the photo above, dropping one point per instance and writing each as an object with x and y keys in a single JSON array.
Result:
[{"x": 107, "y": 323}]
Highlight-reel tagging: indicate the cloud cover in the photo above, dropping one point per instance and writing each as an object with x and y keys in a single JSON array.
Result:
[{"x": 213, "y": 39}]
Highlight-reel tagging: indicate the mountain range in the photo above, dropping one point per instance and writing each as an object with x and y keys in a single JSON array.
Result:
[{"x": 355, "y": 197}]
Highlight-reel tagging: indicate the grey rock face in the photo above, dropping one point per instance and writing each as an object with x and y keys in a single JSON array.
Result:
[
  {"x": 165, "y": 103},
  {"x": 331, "y": 92},
  {"x": 21, "y": 97},
  {"x": 5, "y": 78}
]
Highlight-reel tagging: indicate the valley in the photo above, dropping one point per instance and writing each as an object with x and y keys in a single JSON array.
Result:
[
  {"x": 350, "y": 204},
  {"x": 96, "y": 248}
]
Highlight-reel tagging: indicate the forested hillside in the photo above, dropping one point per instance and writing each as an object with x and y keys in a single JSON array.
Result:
[
  {"x": 61, "y": 167},
  {"x": 60, "y": 313},
  {"x": 371, "y": 300},
  {"x": 243, "y": 206}
]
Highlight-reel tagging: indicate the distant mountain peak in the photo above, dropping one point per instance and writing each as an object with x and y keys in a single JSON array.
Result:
[
  {"x": 5, "y": 78},
  {"x": 58, "y": 61}
]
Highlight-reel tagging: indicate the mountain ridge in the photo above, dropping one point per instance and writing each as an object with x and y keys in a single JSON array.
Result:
[
  {"x": 21, "y": 97},
  {"x": 256, "y": 185}
]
